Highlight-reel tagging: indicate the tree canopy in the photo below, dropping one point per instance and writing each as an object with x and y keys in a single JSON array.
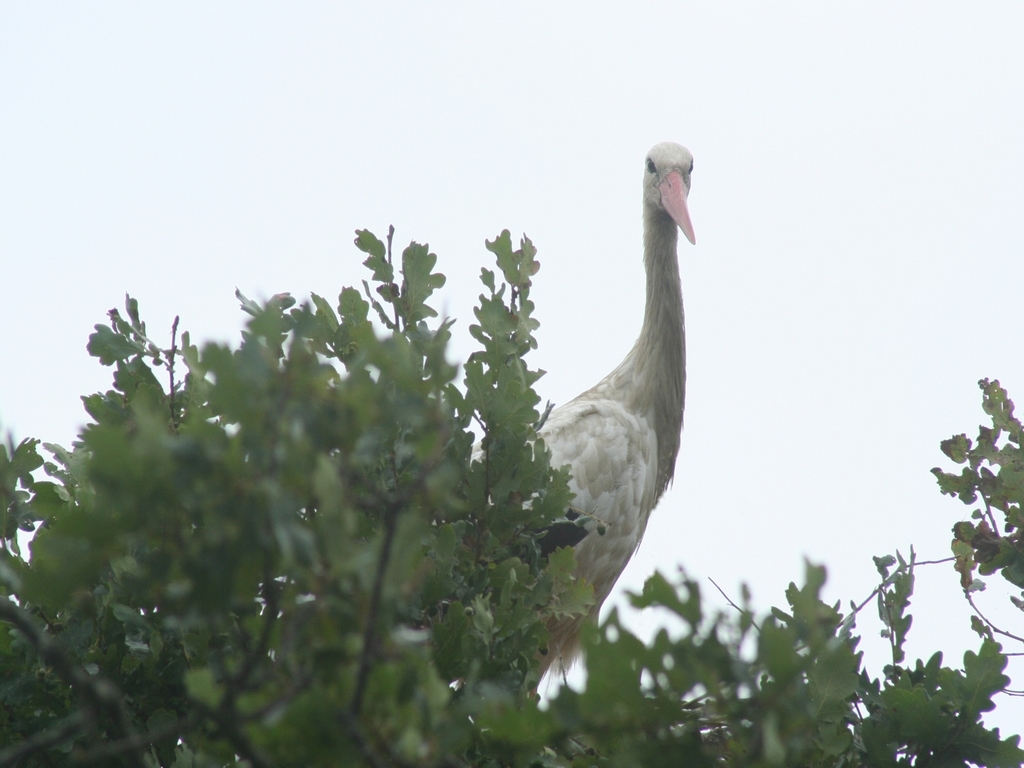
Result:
[{"x": 287, "y": 553}]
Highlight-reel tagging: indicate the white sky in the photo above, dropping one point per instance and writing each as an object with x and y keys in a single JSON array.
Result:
[{"x": 857, "y": 200}]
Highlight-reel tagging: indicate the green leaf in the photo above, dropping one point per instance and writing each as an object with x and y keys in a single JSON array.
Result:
[
  {"x": 376, "y": 261},
  {"x": 302, "y": 555},
  {"x": 110, "y": 347},
  {"x": 919, "y": 718},
  {"x": 351, "y": 306},
  {"x": 777, "y": 650},
  {"x": 249, "y": 306},
  {"x": 202, "y": 686},
  {"x": 161, "y": 718},
  {"x": 983, "y": 678},
  {"x": 658, "y": 592},
  {"x": 325, "y": 312},
  {"x": 418, "y": 282},
  {"x": 369, "y": 243},
  {"x": 832, "y": 681}
]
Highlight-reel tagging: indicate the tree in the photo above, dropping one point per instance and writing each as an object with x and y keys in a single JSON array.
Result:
[{"x": 292, "y": 556}]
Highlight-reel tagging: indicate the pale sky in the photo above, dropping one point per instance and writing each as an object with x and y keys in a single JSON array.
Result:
[{"x": 857, "y": 198}]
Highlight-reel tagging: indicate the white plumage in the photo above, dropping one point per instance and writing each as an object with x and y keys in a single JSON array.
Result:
[{"x": 621, "y": 437}]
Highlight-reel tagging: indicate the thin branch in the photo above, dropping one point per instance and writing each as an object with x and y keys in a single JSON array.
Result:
[
  {"x": 298, "y": 686},
  {"x": 890, "y": 631},
  {"x": 730, "y": 602},
  {"x": 359, "y": 738},
  {"x": 271, "y": 610},
  {"x": 857, "y": 609},
  {"x": 370, "y": 632},
  {"x": 98, "y": 693},
  {"x": 375, "y": 760},
  {"x": 170, "y": 369},
  {"x": 935, "y": 562},
  {"x": 856, "y": 705},
  {"x": 988, "y": 623},
  {"x": 239, "y": 741},
  {"x": 136, "y": 742},
  {"x": 991, "y": 517},
  {"x": 394, "y": 304},
  {"x": 43, "y": 740},
  {"x": 864, "y": 604}
]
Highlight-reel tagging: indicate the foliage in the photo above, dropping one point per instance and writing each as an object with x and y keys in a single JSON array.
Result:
[
  {"x": 994, "y": 473},
  {"x": 295, "y": 555}
]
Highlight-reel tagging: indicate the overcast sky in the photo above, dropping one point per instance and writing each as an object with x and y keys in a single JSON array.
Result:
[{"x": 857, "y": 199}]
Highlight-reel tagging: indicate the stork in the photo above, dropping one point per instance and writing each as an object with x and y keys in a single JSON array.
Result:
[{"x": 620, "y": 438}]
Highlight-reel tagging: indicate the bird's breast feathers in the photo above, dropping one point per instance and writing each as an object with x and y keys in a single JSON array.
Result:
[{"x": 612, "y": 456}]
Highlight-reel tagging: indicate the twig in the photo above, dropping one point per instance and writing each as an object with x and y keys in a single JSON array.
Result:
[
  {"x": 886, "y": 582},
  {"x": 375, "y": 760},
  {"x": 139, "y": 740},
  {"x": 239, "y": 741},
  {"x": 935, "y": 562},
  {"x": 730, "y": 602},
  {"x": 991, "y": 517},
  {"x": 988, "y": 623},
  {"x": 41, "y": 740},
  {"x": 252, "y": 658},
  {"x": 394, "y": 305},
  {"x": 863, "y": 605},
  {"x": 370, "y": 633},
  {"x": 98, "y": 693},
  {"x": 857, "y": 609},
  {"x": 856, "y": 705},
  {"x": 890, "y": 631},
  {"x": 297, "y": 686},
  {"x": 170, "y": 368},
  {"x": 389, "y": 759}
]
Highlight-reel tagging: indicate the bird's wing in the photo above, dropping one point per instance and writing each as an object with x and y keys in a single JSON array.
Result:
[{"x": 612, "y": 456}]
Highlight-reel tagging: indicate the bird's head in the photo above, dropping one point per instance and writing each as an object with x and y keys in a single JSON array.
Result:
[{"x": 667, "y": 170}]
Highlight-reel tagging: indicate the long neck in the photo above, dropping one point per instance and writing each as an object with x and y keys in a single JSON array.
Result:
[{"x": 659, "y": 356}]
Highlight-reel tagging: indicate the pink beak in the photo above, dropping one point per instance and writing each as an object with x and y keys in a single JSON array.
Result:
[{"x": 673, "y": 197}]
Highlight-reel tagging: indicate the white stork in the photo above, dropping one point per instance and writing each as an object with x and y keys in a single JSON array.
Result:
[{"x": 621, "y": 437}]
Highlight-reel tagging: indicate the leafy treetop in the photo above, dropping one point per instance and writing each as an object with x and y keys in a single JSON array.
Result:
[{"x": 318, "y": 549}]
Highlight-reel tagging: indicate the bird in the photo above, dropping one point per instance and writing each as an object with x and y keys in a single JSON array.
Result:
[{"x": 620, "y": 438}]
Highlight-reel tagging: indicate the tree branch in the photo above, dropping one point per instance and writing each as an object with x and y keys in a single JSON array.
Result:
[
  {"x": 98, "y": 693},
  {"x": 375, "y": 760},
  {"x": 170, "y": 370},
  {"x": 43, "y": 740},
  {"x": 228, "y": 725},
  {"x": 253, "y": 657},
  {"x": 730, "y": 602},
  {"x": 138, "y": 741},
  {"x": 370, "y": 632},
  {"x": 394, "y": 305},
  {"x": 991, "y": 517},
  {"x": 988, "y": 623},
  {"x": 295, "y": 688},
  {"x": 858, "y": 608}
]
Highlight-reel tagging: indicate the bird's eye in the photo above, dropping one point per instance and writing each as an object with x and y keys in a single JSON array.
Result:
[
  {"x": 650, "y": 166},
  {"x": 691, "y": 165}
]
